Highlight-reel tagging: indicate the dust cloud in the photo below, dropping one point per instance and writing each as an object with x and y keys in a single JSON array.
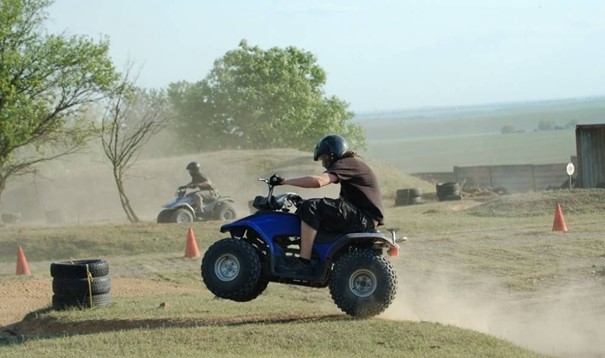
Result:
[
  {"x": 80, "y": 189},
  {"x": 567, "y": 322}
]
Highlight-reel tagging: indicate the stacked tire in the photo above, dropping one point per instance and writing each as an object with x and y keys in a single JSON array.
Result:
[
  {"x": 448, "y": 191},
  {"x": 408, "y": 196},
  {"x": 80, "y": 283}
]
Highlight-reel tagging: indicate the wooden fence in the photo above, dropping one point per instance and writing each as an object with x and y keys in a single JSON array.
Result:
[{"x": 512, "y": 178}]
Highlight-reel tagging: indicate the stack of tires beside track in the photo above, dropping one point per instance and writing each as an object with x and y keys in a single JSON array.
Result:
[
  {"x": 408, "y": 196},
  {"x": 80, "y": 283},
  {"x": 448, "y": 191}
]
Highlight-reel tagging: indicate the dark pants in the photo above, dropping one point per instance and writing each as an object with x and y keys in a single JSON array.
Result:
[
  {"x": 335, "y": 215},
  {"x": 204, "y": 196}
]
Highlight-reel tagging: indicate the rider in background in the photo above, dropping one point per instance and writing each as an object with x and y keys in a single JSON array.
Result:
[
  {"x": 359, "y": 206},
  {"x": 199, "y": 181}
]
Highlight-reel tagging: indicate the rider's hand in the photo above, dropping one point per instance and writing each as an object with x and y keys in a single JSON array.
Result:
[{"x": 276, "y": 180}]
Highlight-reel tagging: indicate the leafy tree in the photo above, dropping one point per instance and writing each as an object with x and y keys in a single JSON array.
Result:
[
  {"x": 571, "y": 124},
  {"x": 254, "y": 99},
  {"x": 132, "y": 116},
  {"x": 508, "y": 129},
  {"x": 46, "y": 82}
]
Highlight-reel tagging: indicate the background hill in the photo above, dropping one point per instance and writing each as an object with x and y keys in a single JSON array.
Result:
[{"x": 81, "y": 190}]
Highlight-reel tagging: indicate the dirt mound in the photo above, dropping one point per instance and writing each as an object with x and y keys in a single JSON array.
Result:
[{"x": 84, "y": 191}]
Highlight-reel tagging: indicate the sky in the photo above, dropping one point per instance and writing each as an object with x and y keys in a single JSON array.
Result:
[{"x": 378, "y": 55}]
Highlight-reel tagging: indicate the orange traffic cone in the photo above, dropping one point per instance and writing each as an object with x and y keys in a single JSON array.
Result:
[
  {"x": 191, "y": 250},
  {"x": 22, "y": 266},
  {"x": 559, "y": 223}
]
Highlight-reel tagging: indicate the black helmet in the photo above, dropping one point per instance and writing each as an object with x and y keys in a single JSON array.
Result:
[
  {"x": 193, "y": 166},
  {"x": 333, "y": 145}
]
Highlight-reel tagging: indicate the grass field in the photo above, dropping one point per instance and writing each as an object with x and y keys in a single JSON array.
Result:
[
  {"x": 441, "y": 154},
  {"x": 476, "y": 279},
  {"x": 436, "y": 140}
]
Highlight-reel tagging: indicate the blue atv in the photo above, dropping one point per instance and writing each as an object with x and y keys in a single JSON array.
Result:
[{"x": 361, "y": 279}]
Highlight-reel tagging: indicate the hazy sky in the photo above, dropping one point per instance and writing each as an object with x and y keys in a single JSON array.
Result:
[{"x": 379, "y": 55}]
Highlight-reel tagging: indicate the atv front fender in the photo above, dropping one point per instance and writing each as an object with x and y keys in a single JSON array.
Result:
[{"x": 268, "y": 225}]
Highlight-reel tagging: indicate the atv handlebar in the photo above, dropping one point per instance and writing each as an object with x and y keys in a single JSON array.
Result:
[
  {"x": 277, "y": 202},
  {"x": 180, "y": 191}
]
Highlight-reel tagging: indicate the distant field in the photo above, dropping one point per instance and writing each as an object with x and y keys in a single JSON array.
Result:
[
  {"x": 441, "y": 154},
  {"x": 437, "y": 139}
]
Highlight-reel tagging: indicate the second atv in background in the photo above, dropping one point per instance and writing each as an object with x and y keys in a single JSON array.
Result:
[
  {"x": 203, "y": 203},
  {"x": 182, "y": 209}
]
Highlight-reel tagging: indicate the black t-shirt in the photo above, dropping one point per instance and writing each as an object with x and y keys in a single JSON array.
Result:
[{"x": 359, "y": 186}]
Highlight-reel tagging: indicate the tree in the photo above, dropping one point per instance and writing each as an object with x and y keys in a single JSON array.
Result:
[
  {"x": 254, "y": 99},
  {"x": 46, "y": 82},
  {"x": 571, "y": 124},
  {"x": 132, "y": 116},
  {"x": 547, "y": 124}
]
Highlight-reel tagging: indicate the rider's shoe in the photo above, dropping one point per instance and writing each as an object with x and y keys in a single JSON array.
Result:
[{"x": 291, "y": 264}]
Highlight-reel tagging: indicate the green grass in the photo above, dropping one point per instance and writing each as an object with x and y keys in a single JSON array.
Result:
[
  {"x": 271, "y": 326},
  {"x": 460, "y": 256},
  {"x": 315, "y": 337}
]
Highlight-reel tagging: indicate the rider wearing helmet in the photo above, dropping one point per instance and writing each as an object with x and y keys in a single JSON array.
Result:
[
  {"x": 201, "y": 182},
  {"x": 359, "y": 206}
]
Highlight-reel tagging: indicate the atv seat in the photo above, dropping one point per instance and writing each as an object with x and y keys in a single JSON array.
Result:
[{"x": 325, "y": 237}]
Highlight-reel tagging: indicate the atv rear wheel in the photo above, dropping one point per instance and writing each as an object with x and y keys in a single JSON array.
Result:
[
  {"x": 363, "y": 283},
  {"x": 225, "y": 212},
  {"x": 182, "y": 216},
  {"x": 231, "y": 269}
]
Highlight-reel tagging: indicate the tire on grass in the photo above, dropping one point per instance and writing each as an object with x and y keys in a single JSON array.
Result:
[
  {"x": 408, "y": 196},
  {"x": 81, "y": 287},
  {"x": 65, "y": 302},
  {"x": 448, "y": 191},
  {"x": 79, "y": 268}
]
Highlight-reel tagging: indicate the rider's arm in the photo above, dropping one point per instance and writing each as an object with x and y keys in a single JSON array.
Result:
[
  {"x": 188, "y": 185},
  {"x": 205, "y": 185},
  {"x": 311, "y": 181}
]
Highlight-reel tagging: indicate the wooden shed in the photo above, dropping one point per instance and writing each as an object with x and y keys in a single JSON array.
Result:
[{"x": 590, "y": 148}]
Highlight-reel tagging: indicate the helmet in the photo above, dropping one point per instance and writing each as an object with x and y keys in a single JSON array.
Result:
[
  {"x": 333, "y": 145},
  {"x": 193, "y": 166}
]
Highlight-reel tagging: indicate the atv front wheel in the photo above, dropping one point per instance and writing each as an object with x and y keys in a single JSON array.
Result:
[
  {"x": 164, "y": 216},
  {"x": 261, "y": 285},
  {"x": 182, "y": 216},
  {"x": 231, "y": 269},
  {"x": 363, "y": 283}
]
